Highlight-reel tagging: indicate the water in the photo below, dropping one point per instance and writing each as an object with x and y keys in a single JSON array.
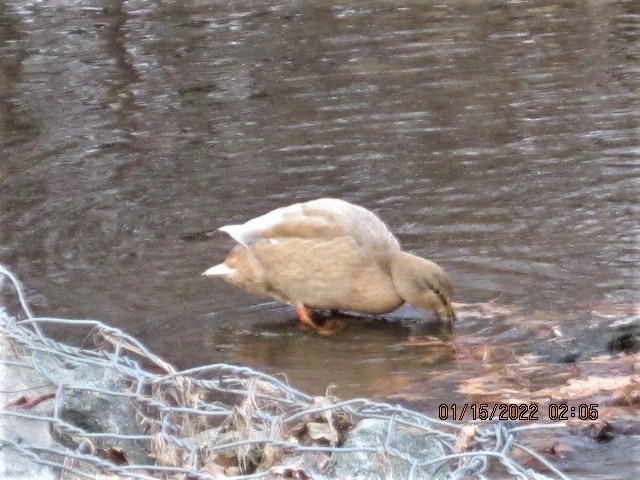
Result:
[{"x": 499, "y": 139}]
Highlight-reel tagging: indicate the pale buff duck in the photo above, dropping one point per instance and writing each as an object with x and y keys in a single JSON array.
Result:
[{"x": 329, "y": 254}]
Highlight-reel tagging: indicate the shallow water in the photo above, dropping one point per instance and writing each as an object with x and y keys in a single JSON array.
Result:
[{"x": 499, "y": 139}]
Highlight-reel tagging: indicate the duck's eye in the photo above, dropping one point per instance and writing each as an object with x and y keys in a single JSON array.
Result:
[{"x": 423, "y": 284}]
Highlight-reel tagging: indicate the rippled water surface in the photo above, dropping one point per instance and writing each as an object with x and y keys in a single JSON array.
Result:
[{"x": 499, "y": 139}]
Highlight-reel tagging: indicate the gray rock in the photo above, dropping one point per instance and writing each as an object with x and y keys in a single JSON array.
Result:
[
  {"x": 95, "y": 412},
  {"x": 22, "y": 433},
  {"x": 372, "y": 433}
]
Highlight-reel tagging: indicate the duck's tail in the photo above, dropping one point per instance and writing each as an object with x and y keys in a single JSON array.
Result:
[{"x": 220, "y": 269}]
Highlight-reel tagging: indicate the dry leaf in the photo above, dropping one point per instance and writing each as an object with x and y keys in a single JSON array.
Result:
[
  {"x": 294, "y": 470},
  {"x": 323, "y": 460},
  {"x": 322, "y": 433},
  {"x": 561, "y": 449},
  {"x": 465, "y": 438},
  {"x": 225, "y": 461},
  {"x": 29, "y": 402},
  {"x": 493, "y": 384},
  {"x": 629, "y": 395},
  {"x": 232, "y": 471},
  {"x": 593, "y": 385}
]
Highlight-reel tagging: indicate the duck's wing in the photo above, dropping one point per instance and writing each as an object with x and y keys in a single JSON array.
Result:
[
  {"x": 325, "y": 218},
  {"x": 300, "y": 220},
  {"x": 331, "y": 274}
]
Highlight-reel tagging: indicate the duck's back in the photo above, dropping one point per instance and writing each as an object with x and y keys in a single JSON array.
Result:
[{"x": 325, "y": 218}]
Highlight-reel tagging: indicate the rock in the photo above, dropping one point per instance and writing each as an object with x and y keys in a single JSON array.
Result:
[
  {"x": 595, "y": 338},
  {"x": 95, "y": 412},
  {"x": 625, "y": 341},
  {"x": 21, "y": 432},
  {"x": 372, "y": 433}
]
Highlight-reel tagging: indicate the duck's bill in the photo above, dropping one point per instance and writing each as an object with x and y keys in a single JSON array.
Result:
[
  {"x": 220, "y": 269},
  {"x": 451, "y": 315}
]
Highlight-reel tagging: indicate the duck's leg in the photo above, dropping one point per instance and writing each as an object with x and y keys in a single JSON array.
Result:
[{"x": 304, "y": 315}]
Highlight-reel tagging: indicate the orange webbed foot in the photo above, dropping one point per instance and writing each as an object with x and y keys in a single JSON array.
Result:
[
  {"x": 329, "y": 327},
  {"x": 304, "y": 315}
]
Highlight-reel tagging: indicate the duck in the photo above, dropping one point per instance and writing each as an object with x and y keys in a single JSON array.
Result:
[{"x": 329, "y": 254}]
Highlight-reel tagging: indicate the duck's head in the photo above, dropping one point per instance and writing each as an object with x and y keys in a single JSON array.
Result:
[{"x": 423, "y": 284}]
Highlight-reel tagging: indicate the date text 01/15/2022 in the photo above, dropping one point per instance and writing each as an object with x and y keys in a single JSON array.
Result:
[{"x": 516, "y": 411}]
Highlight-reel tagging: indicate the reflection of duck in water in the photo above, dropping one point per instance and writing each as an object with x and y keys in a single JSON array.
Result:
[{"x": 329, "y": 254}]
